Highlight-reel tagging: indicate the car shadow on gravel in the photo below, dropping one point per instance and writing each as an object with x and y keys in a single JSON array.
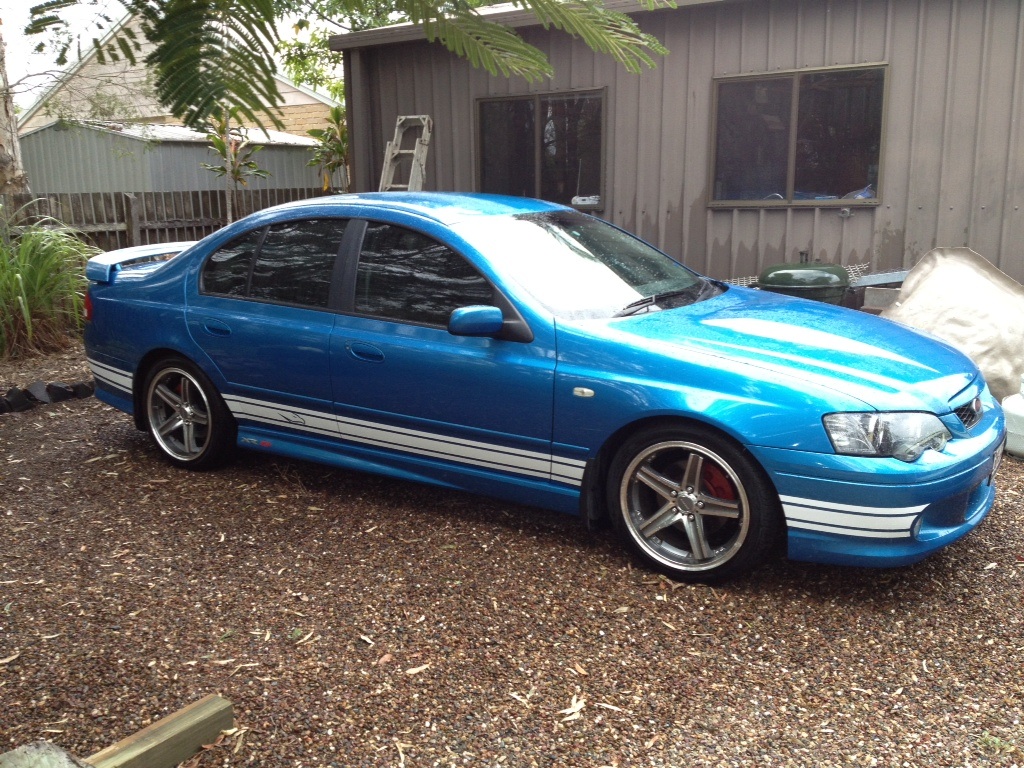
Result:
[{"x": 427, "y": 511}]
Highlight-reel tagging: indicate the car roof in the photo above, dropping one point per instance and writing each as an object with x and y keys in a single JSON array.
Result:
[{"x": 443, "y": 207}]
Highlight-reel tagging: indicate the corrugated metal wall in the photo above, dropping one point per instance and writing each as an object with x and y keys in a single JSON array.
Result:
[
  {"x": 80, "y": 159},
  {"x": 952, "y": 171}
]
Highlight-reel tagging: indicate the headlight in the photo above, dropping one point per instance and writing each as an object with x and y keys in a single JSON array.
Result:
[{"x": 903, "y": 436}]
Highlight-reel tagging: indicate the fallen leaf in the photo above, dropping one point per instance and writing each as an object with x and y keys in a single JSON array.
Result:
[{"x": 572, "y": 712}]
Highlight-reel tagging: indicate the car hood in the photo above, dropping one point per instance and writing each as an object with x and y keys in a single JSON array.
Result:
[{"x": 881, "y": 363}]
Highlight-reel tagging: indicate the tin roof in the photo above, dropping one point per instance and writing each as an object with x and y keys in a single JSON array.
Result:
[{"x": 178, "y": 134}]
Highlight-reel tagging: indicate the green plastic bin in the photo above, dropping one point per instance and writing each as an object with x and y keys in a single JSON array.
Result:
[{"x": 820, "y": 282}]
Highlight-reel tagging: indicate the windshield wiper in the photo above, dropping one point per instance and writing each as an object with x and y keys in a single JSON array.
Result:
[{"x": 657, "y": 298}]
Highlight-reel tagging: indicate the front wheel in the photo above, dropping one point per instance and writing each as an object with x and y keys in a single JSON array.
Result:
[
  {"x": 692, "y": 504},
  {"x": 186, "y": 416}
]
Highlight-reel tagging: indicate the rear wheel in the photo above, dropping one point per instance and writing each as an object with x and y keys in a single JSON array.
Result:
[
  {"x": 692, "y": 504},
  {"x": 186, "y": 416}
]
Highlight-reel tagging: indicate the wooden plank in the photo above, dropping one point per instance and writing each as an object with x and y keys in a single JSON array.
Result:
[{"x": 172, "y": 740}]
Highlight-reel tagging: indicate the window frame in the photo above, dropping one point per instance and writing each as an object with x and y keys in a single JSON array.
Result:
[
  {"x": 794, "y": 76},
  {"x": 537, "y": 98}
]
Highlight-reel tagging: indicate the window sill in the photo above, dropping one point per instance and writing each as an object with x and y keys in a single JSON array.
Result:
[{"x": 838, "y": 204}]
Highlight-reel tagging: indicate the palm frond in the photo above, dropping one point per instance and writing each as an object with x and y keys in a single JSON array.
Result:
[
  {"x": 459, "y": 26},
  {"x": 602, "y": 30},
  {"x": 493, "y": 47},
  {"x": 212, "y": 53}
]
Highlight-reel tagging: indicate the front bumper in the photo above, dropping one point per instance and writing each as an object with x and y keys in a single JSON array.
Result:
[{"x": 885, "y": 513}]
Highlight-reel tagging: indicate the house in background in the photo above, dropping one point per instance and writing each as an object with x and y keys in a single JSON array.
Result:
[
  {"x": 850, "y": 130},
  {"x": 120, "y": 91}
]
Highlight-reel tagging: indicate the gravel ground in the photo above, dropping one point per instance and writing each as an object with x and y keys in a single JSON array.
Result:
[{"x": 360, "y": 621}]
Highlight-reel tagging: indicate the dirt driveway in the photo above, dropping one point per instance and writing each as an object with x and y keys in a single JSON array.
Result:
[{"x": 360, "y": 621}]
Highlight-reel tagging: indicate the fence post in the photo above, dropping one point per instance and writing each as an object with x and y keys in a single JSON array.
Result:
[{"x": 133, "y": 232}]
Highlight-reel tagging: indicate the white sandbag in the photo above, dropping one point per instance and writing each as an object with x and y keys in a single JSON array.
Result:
[{"x": 957, "y": 295}]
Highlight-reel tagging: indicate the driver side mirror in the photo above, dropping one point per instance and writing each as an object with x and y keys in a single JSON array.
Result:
[{"x": 476, "y": 321}]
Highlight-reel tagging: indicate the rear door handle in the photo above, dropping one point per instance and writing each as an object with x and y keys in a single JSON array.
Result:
[
  {"x": 216, "y": 328},
  {"x": 366, "y": 352}
]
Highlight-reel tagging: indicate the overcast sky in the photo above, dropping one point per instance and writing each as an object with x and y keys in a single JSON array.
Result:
[{"x": 21, "y": 61}]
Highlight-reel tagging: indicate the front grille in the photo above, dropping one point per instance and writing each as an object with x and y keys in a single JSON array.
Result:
[{"x": 970, "y": 414}]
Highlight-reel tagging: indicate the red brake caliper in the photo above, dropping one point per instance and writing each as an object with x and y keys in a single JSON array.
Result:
[{"x": 717, "y": 484}]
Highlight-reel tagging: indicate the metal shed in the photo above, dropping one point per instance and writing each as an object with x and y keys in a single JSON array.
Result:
[{"x": 94, "y": 157}]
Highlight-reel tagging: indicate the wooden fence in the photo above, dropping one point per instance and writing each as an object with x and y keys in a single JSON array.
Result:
[{"x": 118, "y": 220}]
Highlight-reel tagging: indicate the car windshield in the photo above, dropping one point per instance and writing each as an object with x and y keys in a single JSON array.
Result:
[{"x": 579, "y": 267}]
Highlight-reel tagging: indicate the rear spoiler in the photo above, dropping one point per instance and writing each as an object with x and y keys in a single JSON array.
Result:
[{"x": 102, "y": 268}]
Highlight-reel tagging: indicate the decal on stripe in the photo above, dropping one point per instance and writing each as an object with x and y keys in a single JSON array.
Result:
[
  {"x": 849, "y": 519},
  {"x": 429, "y": 444}
]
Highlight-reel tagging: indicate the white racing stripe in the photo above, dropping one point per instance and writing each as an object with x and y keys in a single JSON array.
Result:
[
  {"x": 475, "y": 453},
  {"x": 850, "y": 519},
  {"x": 115, "y": 377}
]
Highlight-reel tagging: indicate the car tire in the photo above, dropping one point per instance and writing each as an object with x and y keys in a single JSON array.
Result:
[
  {"x": 692, "y": 503},
  {"x": 186, "y": 416}
]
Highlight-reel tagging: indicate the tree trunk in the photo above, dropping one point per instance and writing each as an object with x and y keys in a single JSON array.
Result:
[{"x": 12, "y": 174}]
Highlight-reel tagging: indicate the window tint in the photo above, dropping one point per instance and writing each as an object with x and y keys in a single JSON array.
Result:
[
  {"x": 543, "y": 146},
  {"x": 404, "y": 275},
  {"x": 806, "y": 136},
  {"x": 227, "y": 270},
  {"x": 507, "y": 147},
  {"x": 296, "y": 262}
]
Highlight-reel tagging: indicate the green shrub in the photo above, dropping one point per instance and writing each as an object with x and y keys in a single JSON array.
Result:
[{"x": 42, "y": 284}]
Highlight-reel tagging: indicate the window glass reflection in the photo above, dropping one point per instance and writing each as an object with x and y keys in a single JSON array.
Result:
[
  {"x": 404, "y": 275},
  {"x": 227, "y": 271},
  {"x": 296, "y": 262}
]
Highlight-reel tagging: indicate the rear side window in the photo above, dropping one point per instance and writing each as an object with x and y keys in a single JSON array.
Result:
[
  {"x": 287, "y": 263},
  {"x": 227, "y": 271},
  {"x": 406, "y": 276}
]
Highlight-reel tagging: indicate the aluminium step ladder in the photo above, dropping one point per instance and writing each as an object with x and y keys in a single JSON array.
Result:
[{"x": 394, "y": 154}]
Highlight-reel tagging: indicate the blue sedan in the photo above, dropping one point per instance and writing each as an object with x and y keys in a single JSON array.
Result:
[{"x": 523, "y": 350}]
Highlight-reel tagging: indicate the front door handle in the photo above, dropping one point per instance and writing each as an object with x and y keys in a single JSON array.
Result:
[{"x": 366, "y": 352}]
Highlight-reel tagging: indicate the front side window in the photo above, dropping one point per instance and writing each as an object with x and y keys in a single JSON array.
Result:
[
  {"x": 547, "y": 146},
  {"x": 797, "y": 138},
  {"x": 287, "y": 263},
  {"x": 406, "y": 276}
]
